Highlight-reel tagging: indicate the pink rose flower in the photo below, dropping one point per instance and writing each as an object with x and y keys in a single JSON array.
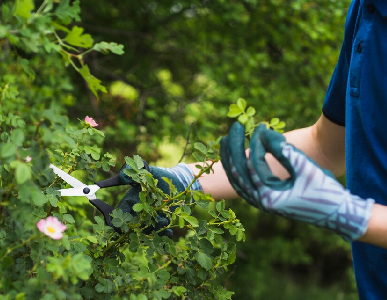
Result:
[
  {"x": 51, "y": 227},
  {"x": 90, "y": 121}
]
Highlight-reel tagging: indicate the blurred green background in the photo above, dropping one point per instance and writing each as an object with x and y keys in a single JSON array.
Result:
[{"x": 184, "y": 64}]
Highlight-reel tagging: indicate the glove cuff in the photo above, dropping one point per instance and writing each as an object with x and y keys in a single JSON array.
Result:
[{"x": 186, "y": 176}]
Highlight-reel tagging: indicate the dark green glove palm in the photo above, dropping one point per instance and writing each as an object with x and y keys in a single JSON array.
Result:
[{"x": 180, "y": 176}]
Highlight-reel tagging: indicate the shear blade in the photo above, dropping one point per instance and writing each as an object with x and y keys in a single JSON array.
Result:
[
  {"x": 66, "y": 177},
  {"x": 85, "y": 190}
]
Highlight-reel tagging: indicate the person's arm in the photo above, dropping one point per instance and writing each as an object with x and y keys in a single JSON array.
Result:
[
  {"x": 324, "y": 142},
  {"x": 377, "y": 227}
]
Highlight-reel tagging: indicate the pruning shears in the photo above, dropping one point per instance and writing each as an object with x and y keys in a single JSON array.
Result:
[{"x": 88, "y": 191}]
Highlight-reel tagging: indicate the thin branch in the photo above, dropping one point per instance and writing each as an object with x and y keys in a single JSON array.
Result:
[{"x": 187, "y": 142}]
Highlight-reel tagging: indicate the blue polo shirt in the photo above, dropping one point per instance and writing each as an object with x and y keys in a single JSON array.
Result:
[{"x": 357, "y": 99}]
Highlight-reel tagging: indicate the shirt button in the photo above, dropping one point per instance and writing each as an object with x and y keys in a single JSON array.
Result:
[
  {"x": 359, "y": 47},
  {"x": 371, "y": 8}
]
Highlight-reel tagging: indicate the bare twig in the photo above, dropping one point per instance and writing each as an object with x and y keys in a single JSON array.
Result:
[{"x": 187, "y": 142}]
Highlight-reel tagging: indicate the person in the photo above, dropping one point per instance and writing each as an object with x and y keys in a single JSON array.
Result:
[{"x": 349, "y": 137}]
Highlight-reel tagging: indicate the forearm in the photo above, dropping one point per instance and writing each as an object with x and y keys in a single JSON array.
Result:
[
  {"x": 217, "y": 184},
  {"x": 377, "y": 227}
]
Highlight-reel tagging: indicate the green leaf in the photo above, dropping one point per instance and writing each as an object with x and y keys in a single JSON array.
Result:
[
  {"x": 199, "y": 156},
  {"x": 23, "y": 173},
  {"x": 181, "y": 222},
  {"x": 220, "y": 206},
  {"x": 138, "y": 207},
  {"x": 37, "y": 197},
  {"x": 76, "y": 38},
  {"x": 204, "y": 260},
  {"x": 243, "y": 119},
  {"x": 92, "y": 239},
  {"x": 179, "y": 290},
  {"x": 67, "y": 13},
  {"x": 241, "y": 104},
  {"x": 250, "y": 111},
  {"x": 68, "y": 218},
  {"x": 190, "y": 219},
  {"x": 93, "y": 82},
  {"x": 105, "y": 47},
  {"x": 17, "y": 136},
  {"x": 139, "y": 162},
  {"x": 234, "y": 111},
  {"x": 23, "y": 8},
  {"x": 206, "y": 246},
  {"x": 8, "y": 150},
  {"x": 201, "y": 147}
]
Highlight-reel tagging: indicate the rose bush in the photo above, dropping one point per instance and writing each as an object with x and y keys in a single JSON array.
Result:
[{"x": 78, "y": 257}]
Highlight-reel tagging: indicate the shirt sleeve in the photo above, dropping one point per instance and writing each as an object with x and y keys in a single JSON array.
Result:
[{"x": 334, "y": 103}]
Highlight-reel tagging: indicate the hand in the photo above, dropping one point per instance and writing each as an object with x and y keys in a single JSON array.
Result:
[
  {"x": 181, "y": 176},
  {"x": 310, "y": 195}
]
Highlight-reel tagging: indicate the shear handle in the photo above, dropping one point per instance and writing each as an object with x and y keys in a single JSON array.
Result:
[
  {"x": 106, "y": 210},
  {"x": 115, "y": 180}
]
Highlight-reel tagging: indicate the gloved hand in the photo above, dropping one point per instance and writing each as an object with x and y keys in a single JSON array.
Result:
[
  {"x": 180, "y": 175},
  {"x": 311, "y": 194}
]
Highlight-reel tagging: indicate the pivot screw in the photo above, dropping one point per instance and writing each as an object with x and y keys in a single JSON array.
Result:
[{"x": 86, "y": 190}]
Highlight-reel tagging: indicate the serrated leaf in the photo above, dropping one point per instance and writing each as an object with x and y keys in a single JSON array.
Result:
[
  {"x": 190, "y": 219},
  {"x": 201, "y": 147},
  {"x": 23, "y": 8},
  {"x": 204, "y": 260},
  {"x": 106, "y": 47},
  {"x": 234, "y": 111},
  {"x": 206, "y": 246},
  {"x": 243, "y": 119},
  {"x": 199, "y": 156},
  {"x": 68, "y": 218},
  {"x": 241, "y": 104},
  {"x": 67, "y": 13},
  {"x": 77, "y": 38},
  {"x": 139, "y": 162},
  {"x": 93, "y": 82},
  {"x": 117, "y": 222},
  {"x": 250, "y": 111},
  {"x": 138, "y": 207},
  {"x": 37, "y": 197},
  {"x": 131, "y": 163},
  {"x": 92, "y": 239},
  {"x": 220, "y": 206}
]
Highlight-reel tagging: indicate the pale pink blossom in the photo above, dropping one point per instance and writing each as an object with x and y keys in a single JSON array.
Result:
[
  {"x": 51, "y": 227},
  {"x": 28, "y": 158},
  {"x": 90, "y": 121}
]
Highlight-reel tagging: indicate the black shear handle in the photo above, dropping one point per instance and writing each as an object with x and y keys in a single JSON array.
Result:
[
  {"x": 116, "y": 180},
  {"x": 106, "y": 210}
]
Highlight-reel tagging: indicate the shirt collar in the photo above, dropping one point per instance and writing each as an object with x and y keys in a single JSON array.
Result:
[{"x": 381, "y": 6}]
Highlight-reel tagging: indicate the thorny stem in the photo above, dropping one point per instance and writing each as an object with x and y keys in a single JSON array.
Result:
[
  {"x": 122, "y": 237},
  {"x": 202, "y": 171}
]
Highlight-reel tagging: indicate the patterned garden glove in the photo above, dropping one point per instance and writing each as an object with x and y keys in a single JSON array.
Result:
[
  {"x": 311, "y": 194},
  {"x": 181, "y": 176}
]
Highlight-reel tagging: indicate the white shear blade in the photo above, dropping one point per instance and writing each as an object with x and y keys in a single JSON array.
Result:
[
  {"x": 85, "y": 190},
  {"x": 66, "y": 177}
]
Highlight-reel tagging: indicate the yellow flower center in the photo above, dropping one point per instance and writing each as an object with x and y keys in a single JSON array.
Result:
[{"x": 51, "y": 229}]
